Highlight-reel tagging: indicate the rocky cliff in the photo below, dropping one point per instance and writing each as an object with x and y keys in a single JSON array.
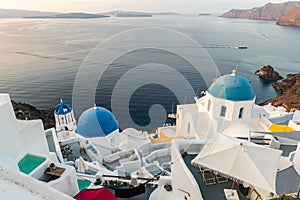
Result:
[
  {"x": 289, "y": 88},
  {"x": 291, "y": 17},
  {"x": 285, "y": 13},
  {"x": 26, "y": 111}
]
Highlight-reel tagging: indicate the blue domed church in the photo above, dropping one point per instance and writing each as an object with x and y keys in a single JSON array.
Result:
[
  {"x": 101, "y": 128},
  {"x": 230, "y": 99},
  {"x": 96, "y": 122}
]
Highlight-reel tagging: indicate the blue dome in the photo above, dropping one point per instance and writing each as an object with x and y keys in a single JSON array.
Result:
[
  {"x": 62, "y": 109},
  {"x": 232, "y": 87},
  {"x": 96, "y": 122}
]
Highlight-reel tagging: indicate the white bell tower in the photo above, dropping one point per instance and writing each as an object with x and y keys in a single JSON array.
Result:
[{"x": 64, "y": 117}]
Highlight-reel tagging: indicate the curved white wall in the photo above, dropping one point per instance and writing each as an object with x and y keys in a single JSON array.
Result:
[{"x": 188, "y": 183}]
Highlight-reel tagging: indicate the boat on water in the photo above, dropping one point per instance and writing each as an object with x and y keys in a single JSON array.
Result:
[
  {"x": 218, "y": 148},
  {"x": 172, "y": 115},
  {"x": 242, "y": 47}
]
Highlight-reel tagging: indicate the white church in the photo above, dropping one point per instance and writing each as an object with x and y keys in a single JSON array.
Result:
[{"x": 228, "y": 107}]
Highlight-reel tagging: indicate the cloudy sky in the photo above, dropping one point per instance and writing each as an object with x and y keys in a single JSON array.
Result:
[{"x": 181, "y": 6}]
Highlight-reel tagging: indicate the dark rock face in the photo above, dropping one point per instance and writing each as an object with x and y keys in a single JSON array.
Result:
[
  {"x": 292, "y": 81},
  {"x": 267, "y": 72},
  {"x": 25, "y": 111},
  {"x": 289, "y": 89},
  {"x": 287, "y": 14}
]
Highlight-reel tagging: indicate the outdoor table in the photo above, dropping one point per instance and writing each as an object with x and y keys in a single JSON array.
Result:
[{"x": 58, "y": 171}]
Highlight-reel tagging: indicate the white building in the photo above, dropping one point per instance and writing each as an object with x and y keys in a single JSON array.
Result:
[
  {"x": 24, "y": 147},
  {"x": 228, "y": 107}
]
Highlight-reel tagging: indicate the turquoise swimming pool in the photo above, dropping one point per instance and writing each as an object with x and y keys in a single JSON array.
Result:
[
  {"x": 82, "y": 184},
  {"x": 29, "y": 162}
]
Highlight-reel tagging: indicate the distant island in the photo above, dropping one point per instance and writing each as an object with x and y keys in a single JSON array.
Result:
[
  {"x": 15, "y": 13},
  {"x": 71, "y": 16},
  {"x": 204, "y": 14},
  {"x": 286, "y": 14},
  {"x": 133, "y": 15}
]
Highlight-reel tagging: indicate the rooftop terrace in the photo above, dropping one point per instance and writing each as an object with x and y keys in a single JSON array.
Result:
[{"x": 215, "y": 191}]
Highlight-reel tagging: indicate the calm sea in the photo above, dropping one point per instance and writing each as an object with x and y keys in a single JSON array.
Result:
[{"x": 39, "y": 60}]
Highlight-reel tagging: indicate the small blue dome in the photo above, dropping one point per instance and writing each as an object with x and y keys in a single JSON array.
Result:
[
  {"x": 232, "y": 87},
  {"x": 62, "y": 109},
  {"x": 96, "y": 122}
]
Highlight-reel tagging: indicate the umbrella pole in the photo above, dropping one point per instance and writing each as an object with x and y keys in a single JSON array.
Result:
[
  {"x": 232, "y": 185},
  {"x": 298, "y": 191}
]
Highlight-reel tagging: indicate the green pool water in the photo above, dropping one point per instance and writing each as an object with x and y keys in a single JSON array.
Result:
[
  {"x": 29, "y": 162},
  {"x": 82, "y": 184}
]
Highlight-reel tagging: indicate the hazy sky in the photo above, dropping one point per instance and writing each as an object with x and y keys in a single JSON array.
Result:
[{"x": 182, "y": 6}]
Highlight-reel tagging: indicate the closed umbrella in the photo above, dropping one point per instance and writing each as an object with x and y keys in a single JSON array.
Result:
[{"x": 82, "y": 166}]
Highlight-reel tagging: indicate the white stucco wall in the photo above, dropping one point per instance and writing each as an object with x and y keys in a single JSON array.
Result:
[
  {"x": 16, "y": 185},
  {"x": 232, "y": 108},
  {"x": 204, "y": 122},
  {"x": 188, "y": 183},
  {"x": 33, "y": 137},
  {"x": 9, "y": 144},
  {"x": 67, "y": 183},
  {"x": 19, "y": 137}
]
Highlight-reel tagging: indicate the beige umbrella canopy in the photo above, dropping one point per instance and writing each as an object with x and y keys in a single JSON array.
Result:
[{"x": 240, "y": 159}]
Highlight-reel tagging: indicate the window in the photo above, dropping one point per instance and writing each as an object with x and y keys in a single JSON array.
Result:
[
  {"x": 62, "y": 120},
  {"x": 208, "y": 105},
  {"x": 223, "y": 111},
  {"x": 189, "y": 128},
  {"x": 241, "y": 113}
]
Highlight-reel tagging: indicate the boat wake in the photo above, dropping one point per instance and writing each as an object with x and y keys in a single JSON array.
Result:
[{"x": 217, "y": 46}]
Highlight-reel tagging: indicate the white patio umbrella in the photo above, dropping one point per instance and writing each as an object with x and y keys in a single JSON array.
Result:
[
  {"x": 241, "y": 159},
  {"x": 82, "y": 166}
]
